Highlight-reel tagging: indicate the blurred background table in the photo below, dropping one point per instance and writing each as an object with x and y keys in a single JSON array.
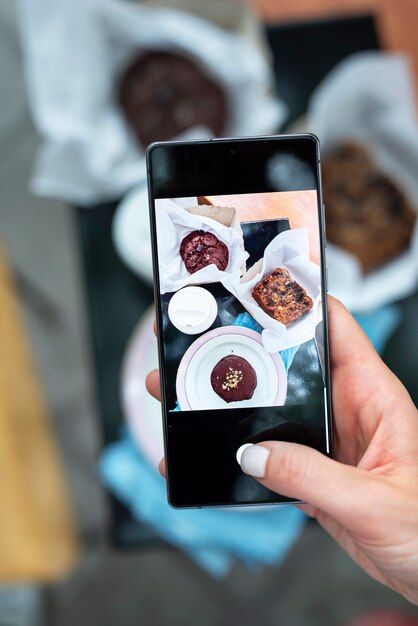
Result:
[
  {"x": 395, "y": 21},
  {"x": 303, "y": 53},
  {"x": 317, "y": 584},
  {"x": 37, "y": 535}
]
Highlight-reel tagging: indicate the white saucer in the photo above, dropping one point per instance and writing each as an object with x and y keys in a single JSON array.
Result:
[
  {"x": 142, "y": 411},
  {"x": 131, "y": 232}
]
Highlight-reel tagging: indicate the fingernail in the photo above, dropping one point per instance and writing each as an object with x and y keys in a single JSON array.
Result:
[
  {"x": 241, "y": 450},
  {"x": 254, "y": 460}
]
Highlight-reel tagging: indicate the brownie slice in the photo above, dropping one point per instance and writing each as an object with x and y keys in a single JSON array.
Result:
[
  {"x": 366, "y": 212},
  {"x": 281, "y": 297}
]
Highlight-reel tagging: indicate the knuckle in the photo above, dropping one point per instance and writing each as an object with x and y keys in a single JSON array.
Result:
[{"x": 293, "y": 469}]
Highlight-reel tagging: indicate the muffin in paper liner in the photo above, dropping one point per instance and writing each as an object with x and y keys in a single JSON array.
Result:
[
  {"x": 89, "y": 153},
  {"x": 174, "y": 223},
  {"x": 290, "y": 250},
  {"x": 368, "y": 99}
]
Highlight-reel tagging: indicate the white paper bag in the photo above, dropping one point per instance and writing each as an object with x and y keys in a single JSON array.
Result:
[
  {"x": 290, "y": 250},
  {"x": 173, "y": 224},
  {"x": 369, "y": 98},
  {"x": 74, "y": 53}
]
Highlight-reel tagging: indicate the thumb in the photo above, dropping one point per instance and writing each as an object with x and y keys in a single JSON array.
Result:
[{"x": 302, "y": 473}]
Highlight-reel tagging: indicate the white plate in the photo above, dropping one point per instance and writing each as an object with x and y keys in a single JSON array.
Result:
[
  {"x": 142, "y": 411},
  {"x": 131, "y": 232},
  {"x": 198, "y": 387}
]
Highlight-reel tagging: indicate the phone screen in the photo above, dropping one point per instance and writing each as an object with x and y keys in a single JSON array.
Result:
[{"x": 240, "y": 290}]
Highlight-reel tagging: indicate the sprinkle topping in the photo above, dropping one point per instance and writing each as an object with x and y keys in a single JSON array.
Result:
[{"x": 232, "y": 379}]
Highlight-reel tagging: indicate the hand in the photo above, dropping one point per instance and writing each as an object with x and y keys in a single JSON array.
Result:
[{"x": 366, "y": 498}]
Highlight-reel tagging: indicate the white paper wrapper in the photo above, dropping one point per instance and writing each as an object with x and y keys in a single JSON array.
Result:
[
  {"x": 174, "y": 223},
  {"x": 369, "y": 98},
  {"x": 290, "y": 250},
  {"x": 75, "y": 51}
]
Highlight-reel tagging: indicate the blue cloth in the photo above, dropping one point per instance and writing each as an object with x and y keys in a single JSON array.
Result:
[
  {"x": 211, "y": 537},
  {"x": 245, "y": 319},
  {"x": 380, "y": 324}
]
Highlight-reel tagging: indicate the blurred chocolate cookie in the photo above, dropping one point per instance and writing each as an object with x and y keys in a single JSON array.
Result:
[
  {"x": 199, "y": 249},
  {"x": 366, "y": 213},
  {"x": 163, "y": 94},
  {"x": 234, "y": 379}
]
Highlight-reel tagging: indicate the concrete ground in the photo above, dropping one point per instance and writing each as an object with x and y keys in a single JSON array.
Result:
[{"x": 317, "y": 586}]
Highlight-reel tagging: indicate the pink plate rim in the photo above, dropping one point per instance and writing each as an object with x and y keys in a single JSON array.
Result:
[
  {"x": 227, "y": 330},
  {"x": 141, "y": 341}
]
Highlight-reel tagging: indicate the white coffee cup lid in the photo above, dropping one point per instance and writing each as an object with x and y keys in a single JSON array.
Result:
[{"x": 192, "y": 310}]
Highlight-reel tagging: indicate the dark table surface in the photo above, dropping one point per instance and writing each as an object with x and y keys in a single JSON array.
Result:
[
  {"x": 303, "y": 54},
  {"x": 303, "y": 381}
]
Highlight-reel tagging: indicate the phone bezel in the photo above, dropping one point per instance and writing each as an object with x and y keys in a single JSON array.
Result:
[{"x": 324, "y": 287}]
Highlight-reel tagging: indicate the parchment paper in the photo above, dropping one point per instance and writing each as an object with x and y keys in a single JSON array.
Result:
[
  {"x": 290, "y": 250},
  {"x": 74, "y": 53},
  {"x": 369, "y": 98},
  {"x": 173, "y": 224}
]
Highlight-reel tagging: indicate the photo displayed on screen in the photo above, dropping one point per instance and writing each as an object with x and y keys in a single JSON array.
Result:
[{"x": 240, "y": 286}]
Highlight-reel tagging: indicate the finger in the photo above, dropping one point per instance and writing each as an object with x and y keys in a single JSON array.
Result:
[
  {"x": 302, "y": 473},
  {"x": 308, "y": 509},
  {"x": 152, "y": 383},
  {"x": 162, "y": 468},
  {"x": 155, "y": 327}
]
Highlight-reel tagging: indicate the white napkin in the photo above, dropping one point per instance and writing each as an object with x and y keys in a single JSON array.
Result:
[
  {"x": 173, "y": 224},
  {"x": 74, "y": 52},
  {"x": 290, "y": 250},
  {"x": 369, "y": 98}
]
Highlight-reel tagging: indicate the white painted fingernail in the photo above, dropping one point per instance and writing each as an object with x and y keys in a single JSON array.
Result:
[
  {"x": 241, "y": 450},
  {"x": 254, "y": 460}
]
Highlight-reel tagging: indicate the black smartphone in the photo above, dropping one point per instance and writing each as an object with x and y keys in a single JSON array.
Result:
[{"x": 237, "y": 228}]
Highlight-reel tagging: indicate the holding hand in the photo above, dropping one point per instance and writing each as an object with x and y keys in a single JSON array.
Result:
[{"x": 366, "y": 498}]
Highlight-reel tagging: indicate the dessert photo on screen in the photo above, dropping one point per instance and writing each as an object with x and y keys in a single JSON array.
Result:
[{"x": 240, "y": 286}]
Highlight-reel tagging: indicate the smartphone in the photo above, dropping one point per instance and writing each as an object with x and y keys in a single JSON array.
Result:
[{"x": 237, "y": 229}]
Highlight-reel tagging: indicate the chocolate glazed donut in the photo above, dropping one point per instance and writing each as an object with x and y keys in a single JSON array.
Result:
[{"x": 233, "y": 379}]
